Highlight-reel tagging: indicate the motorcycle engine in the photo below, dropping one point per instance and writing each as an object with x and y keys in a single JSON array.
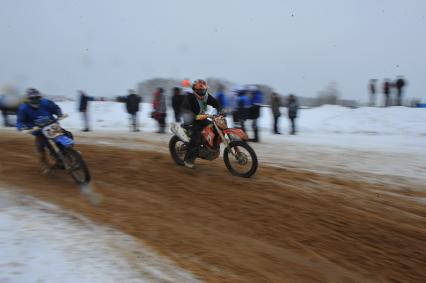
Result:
[{"x": 208, "y": 153}]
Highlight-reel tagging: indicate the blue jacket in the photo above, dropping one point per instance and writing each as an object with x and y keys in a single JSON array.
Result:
[
  {"x": 243, "y": 101},
  {"x": 27, "y": 115},
  {"x": 221, "y": 98},
  {"x": 256, "y": 97}
]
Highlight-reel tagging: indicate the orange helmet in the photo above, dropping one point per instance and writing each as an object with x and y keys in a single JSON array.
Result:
[
  {"x": 200, "y": 87},
  {"x": 186, "y": 83}
]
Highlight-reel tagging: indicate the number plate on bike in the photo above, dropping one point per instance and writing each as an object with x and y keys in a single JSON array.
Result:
[{"x": 52, "y": 131}]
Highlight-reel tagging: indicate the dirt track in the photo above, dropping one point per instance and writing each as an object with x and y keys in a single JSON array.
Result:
[{"x": 281, "y": 226}]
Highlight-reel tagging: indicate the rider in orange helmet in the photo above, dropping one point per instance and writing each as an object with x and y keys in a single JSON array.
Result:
[{"x": 195, "y": 107}]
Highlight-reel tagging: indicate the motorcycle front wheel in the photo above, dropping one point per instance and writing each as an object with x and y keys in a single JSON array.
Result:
[
  {"x": 76, "y": 166},
  {"x": 240, "y": 159}
]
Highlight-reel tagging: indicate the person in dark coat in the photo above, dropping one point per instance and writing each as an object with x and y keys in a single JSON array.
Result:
[
  {"x": 256, "y": 97},
  {"x": 83, "y": 107},
  {"x": 243, "y": 108},
  {"x": 386, "y": 92},
  {"x": 293, "y": 108},
  {"x": 132, "y": 106},
  {"x": 5, "y": 110},
  {"x": 5, "y": 115},
  {"x": 400, "y": 83},
  {"x": 177, "y": 100},
  {"x": 276, "y": 113},
  {"x": 372, "y": 90}
]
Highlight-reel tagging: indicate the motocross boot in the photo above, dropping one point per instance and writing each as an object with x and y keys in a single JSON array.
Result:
[
  {"x": 190, "y": 157},
  {"x": 189, "y": 164}
]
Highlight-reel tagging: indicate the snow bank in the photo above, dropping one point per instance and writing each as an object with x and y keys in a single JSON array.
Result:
[
  {"x": 394, "y": 128},
  {"x": 106, "y": 115},
  {"x": 41, "y": 243},
  {"x": 365, "y": 120},
  {"x": 324, "y": 119},
  {"x": 390, "y": 128}
]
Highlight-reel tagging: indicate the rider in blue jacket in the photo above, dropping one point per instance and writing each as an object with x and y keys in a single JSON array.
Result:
[{"x": 36, "y": 110}]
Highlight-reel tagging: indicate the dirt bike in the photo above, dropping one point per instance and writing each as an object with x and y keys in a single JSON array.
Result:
[
  {"x": 59, "y": 143},
  {"x": 239, "y": 157}
]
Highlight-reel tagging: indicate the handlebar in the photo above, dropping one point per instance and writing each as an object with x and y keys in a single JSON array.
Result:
[
  {"x": 212, "y": 116},
  {"x": 37, "y": 128}
]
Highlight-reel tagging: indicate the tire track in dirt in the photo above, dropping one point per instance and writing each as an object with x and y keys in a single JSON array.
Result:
[{"x": 281, "y": 226}]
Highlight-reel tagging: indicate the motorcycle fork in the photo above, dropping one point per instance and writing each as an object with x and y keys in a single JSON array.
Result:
[
  {"x": 58, "y": 153},
  {"x": 224, "y": 140}
]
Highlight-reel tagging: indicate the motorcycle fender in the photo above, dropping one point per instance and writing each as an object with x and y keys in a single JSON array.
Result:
[
  {"x": 180, "y": 132},
  {"x": 64, "y": 141},
  {"x": 236, "y": 132}
]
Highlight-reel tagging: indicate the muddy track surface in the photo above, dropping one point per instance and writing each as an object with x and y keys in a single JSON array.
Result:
[{"x": 281, "y": 226}]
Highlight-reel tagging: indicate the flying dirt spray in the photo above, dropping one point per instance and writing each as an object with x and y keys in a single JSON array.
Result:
[{"x": 89, "y": 192}]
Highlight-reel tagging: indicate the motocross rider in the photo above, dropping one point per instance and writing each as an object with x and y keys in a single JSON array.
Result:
[
  {"x": 194, "y": 114},
  {"x": 36, "y": 109}
]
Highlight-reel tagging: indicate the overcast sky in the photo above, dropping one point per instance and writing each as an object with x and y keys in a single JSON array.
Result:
[{"x": 106, "y": 46}]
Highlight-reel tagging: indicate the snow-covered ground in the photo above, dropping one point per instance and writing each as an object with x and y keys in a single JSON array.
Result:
[{"x": 39, "y": 242}]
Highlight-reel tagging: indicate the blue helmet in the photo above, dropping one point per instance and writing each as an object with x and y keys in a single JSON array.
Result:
[
  {"x": 33, "y": 93},
  {"x": 34, "y": 97}
]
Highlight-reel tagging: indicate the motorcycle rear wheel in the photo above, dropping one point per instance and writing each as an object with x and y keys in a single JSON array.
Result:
[{"x": 175, "y": 147}]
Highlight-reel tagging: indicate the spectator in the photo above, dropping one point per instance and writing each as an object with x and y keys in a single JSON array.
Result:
[
  {"x": 256, "y": 97},
  {"x": 177, "y": 100},
  {"x": 386, "y": 92},
  {"x": 372, "y": 89},
  {"x": 83, "y": 108},
  {"x": 132, "y": 106},
  {"x": 276, "y": 113},
  {"x": 233, "y": 101},
  {"x": 4, "y": 112},
  {"x": 293, "y": 108},
  {"x": 160, "y": 109},
  {"x": 400, "y": 83},
  {"x": 5, "y": 115},
  {"x": 242, "y": 108},
  {"x": 221, "y": 97},
  {"x": 9, "y": 104}
]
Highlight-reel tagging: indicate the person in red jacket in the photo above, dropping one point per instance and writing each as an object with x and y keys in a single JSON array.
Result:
[{"x": 160, "y": 109}]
